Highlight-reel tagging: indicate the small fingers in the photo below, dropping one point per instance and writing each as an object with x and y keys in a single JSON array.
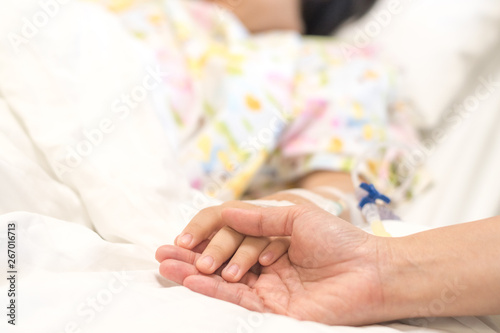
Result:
[
  {"x": 206, "y": 223},
  {"x": 245, "y": 257},
  {"x": 278, "y": 247},
  {"x": 200, "y": 227},
  {"x": 220, "y": 249}
]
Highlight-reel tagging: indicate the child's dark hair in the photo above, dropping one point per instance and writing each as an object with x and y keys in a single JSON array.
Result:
[{"x": 322, "y": 17}]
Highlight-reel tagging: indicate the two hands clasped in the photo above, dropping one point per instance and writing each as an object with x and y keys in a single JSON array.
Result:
[
  {"x": 297, "y": 268},
  {"x": 225, "y": 251},
  {"x": 305, "y": 263}
]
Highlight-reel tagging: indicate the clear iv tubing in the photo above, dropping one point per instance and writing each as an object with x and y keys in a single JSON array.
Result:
[
  {"x": 372, "y": 216},
  {"x": 371, "y": 210},
  {"x": 398, "y": 194}
]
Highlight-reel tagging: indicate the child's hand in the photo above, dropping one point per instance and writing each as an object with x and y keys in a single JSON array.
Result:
[{"x": 225, "y": 243}]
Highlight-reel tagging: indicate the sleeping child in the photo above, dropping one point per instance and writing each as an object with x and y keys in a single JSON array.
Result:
[{"x": 272, "y": 116}]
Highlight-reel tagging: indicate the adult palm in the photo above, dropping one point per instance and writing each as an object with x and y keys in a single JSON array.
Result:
[{"x": 329, "y": 275}]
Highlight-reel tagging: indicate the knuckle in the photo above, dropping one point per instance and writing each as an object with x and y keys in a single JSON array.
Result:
[
  {"x": 228, "y": 230},
  {"x": 191, "y": 257},
  {"x": 216, "y": 250},
  {"x": 246, "y": 256},
  {"x": 238, "y": 296}
]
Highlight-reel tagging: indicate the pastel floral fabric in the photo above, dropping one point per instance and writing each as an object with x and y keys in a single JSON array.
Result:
[{"x": 252, "y": 113}]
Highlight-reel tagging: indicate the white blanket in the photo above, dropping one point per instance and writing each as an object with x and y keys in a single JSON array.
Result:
[{"x": 57, "y": 100}]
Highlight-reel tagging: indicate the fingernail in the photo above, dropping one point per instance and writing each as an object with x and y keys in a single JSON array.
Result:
[
  {"x": 266, "y": 257},
  {"x": 206, "y": 261},
  {"x": 233, "y": 270},
  {"x": 186, "y": 239}
]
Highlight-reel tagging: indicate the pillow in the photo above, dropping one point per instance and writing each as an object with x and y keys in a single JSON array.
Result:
[{"x": 436, "y": 44}]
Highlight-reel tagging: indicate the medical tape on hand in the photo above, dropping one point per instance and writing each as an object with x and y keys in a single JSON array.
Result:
[
  {"x": 270, "y": 203},
  {"x": 331, "y": 206}
]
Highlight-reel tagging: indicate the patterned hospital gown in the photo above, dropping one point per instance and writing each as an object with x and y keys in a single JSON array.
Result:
[{"x": 256, "y": 112}]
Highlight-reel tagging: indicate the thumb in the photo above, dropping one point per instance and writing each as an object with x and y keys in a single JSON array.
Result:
[{"x": 269, "y": 221}]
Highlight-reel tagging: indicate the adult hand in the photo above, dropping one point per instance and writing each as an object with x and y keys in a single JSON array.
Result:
[
  {"x": 336, "y": 274},
  {"x": 221, "y": 245},
  {"x": 330, "y": 274}
]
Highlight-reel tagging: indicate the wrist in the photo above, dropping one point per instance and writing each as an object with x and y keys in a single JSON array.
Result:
[
  {"x": 450, "y": 271},
  {"x": 423, "y": 277},
  {"x": 407, "y": 286}
]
